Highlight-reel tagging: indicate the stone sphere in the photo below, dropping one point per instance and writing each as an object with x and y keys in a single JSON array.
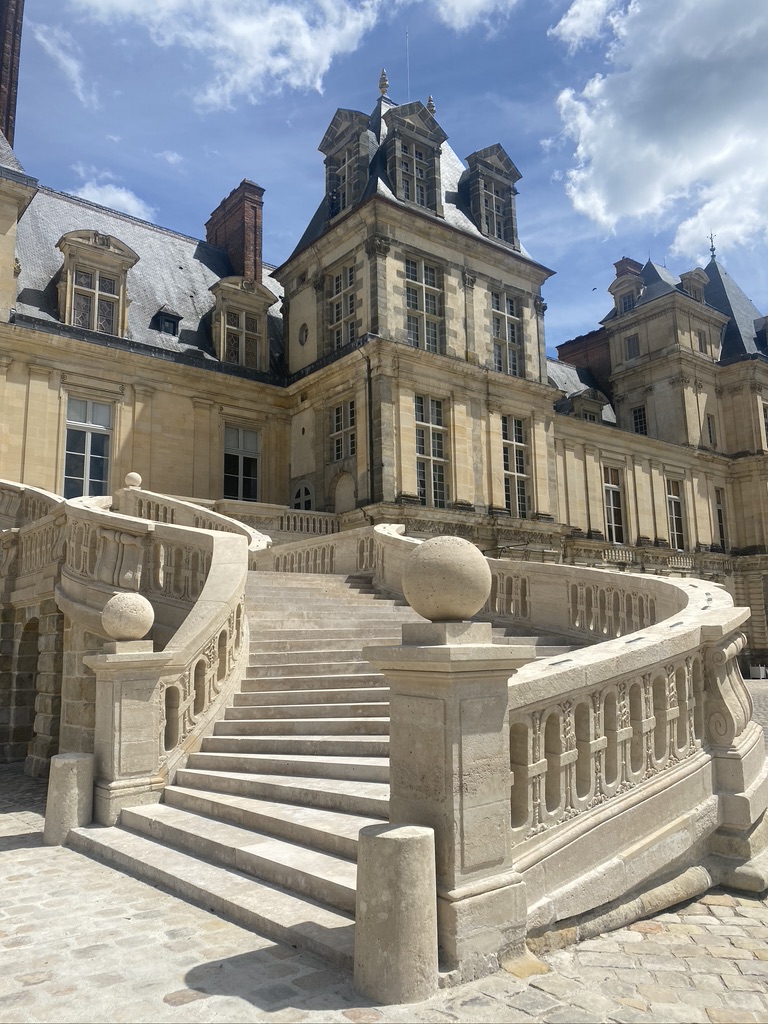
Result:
[
  {"x": 446, "y": 579},
  {"x": 127, "y": 616},
  {"x": 133, "y": 480}
]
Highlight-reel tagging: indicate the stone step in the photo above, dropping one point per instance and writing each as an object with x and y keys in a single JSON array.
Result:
[
  {"x": 277, "y": 659},
  {"x": 314, "y": 746},
  {"x": 327, "y": 709},
  {"x": 320, "y": 766},
  {"x": 328, "y": 878},
  {"x": 268, "y": 909},
  {"x": 280, "y": 634},
  {"x": 337, "y": 642},
  {"x": 331, "y": 831},
  {"x": 308, "y": 668},
  {"x": 329, "y": 681},
  {"x": 351, "y": 795},
  {"x": 302, "y": 727},
  {"x": 348, "y": 695}
]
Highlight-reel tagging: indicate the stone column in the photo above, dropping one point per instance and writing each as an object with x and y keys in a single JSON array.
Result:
[{"x": 450, "y": 759}]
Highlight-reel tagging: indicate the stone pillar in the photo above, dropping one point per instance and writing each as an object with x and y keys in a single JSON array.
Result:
[
  {"x": 70, "y": 796},
  {"x": 396, "y": 923},
  {"x": 449, "y": 754}
]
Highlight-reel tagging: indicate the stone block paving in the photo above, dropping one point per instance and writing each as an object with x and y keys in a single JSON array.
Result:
[{"x": 80, "y": 942}]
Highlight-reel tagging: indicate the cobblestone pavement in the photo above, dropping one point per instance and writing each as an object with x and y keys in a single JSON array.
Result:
[{"x": 81, "y": 942}]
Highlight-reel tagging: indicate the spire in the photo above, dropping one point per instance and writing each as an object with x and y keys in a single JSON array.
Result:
[
  {"x": 431, "y": 106},
  {"x": 712, "y": 245},
  {"x": 383, "y": 82}
]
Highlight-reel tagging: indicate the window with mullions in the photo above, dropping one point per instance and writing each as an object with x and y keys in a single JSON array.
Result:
[
  {"x": 424, "y": 306},
  {"x": 675, "y": 515},
  {"x": 341, "y": 308},
  {"x": 495, "y": 206},
  {"x": 513, "y": 436},
  {"x": 639, "y": 420},
  {"x": 415, "y": 164},
  {"x": 506, "y": 329},
  {"x": 614, "y": 505},
  {"x": 242, "y": 338},
  {"x": 94, "y": 301},
  {"x": 343, "y": 431},
  {"x": 241, "y": 464},
  {"x": 86, "y": 459},
  {"x": 431, "y": 451}
]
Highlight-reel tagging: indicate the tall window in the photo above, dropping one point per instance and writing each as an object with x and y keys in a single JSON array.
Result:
[
  {"x": 675, "y": 515},
  {"x": 241, "y": 341},
  {"x": 86, "y": 460},
  {"x": 94, "y": 301},
  {"x": 343, "y": 431},
  {"x": 341, "y": 312},
  {"x": 627, "y": 302},
  {"x": 507, "y": 334},
  {"x": 241, "y": 464},
  {"x": 614, "y": 506},
  {"x": 632, "y": 345},
  {"x": 702, "y": 340},
  {"x": 639, "y": 420},
  {"x": 494, "y": 210},
  {"x": 424, "y": 306},
  {"x": 415, "y": 173},
  {"x": 344, "y": 180},
  {"x": 514, "y": 452},
  {"x": 711, "y": 431},
  {"x": 720, "y": 516},
  {"x": 431, "y": 452}
]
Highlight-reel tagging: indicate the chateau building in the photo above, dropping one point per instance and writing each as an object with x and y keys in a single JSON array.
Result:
[{"x": 393, "y": 369}]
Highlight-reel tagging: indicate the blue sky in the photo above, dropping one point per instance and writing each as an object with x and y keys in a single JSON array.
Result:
[{"x": 638, "y": 125}]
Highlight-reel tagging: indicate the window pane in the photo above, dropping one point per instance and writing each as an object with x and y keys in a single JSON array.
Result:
[
  {"x": 106, "y": 322},
  {"x": 108, "y": 285},
  {"x": 77, "y": 410},
  {"x": 83, "y": 279},
  {"x": 231, "y": 437},
  {"x": 101, "y": 414},
  {"x": 74, "y": 466},
  {"x": 81, "y": 312},
  {"x": 99, "y": 446},
  {"x": 250, "y": 441}
]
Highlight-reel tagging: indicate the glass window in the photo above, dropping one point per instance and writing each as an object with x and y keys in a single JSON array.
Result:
[
  {"x": 87, "y": 447},
  {"x": 614, "y": 506},
  {"x": 241, "y": 463},
  {"x": 432, "y": 451}
]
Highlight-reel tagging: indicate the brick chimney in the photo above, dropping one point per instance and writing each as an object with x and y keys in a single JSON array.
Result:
[
  {"x": 11, "y": 15},
  {"x": 628, "y": 266},
  {"x": 235, "y": 225}
]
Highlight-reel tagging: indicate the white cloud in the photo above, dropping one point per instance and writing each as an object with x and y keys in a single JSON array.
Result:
[
  {"x": 113, "y": 138},
  {"x": 62, "y": 48},
  {"x": 463, "y": 14},
  {"x": 673, "y": 131},
  {"x": 584, "y": 21},
  {"x": 170, "y": 157},
  {"x": 258, "y": 47},
  {"x": 116, "y": 197}
]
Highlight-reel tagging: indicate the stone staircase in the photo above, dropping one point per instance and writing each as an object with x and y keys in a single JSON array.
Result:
[{"x": 262, "y": 824}]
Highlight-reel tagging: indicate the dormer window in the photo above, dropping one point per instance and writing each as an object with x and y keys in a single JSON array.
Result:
[
  {"x": 240, "y": 322},
  {"x": 490, "y": 182},
  {"x": 166, "y": 321},
  {"x": 345, "y": 147},
  {"x": 92, "y": 285},
  {"x": 413, "y": 145},
  {"x": 627, "y": 302}
]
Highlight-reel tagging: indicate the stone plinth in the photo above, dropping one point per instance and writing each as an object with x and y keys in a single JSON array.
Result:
[
  {"x": 70, "y": 796},
  {"x": 450, "y": 771}
]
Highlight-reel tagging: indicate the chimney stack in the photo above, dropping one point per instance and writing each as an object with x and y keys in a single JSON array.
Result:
[{"x": 236, "y": 225}]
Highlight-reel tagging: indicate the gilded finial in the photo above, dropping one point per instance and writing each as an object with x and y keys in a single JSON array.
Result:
[
  {"x": 383, "y": 82},
  {"x": 431, "y": 106},
  {"x": 712, "y": 245}
]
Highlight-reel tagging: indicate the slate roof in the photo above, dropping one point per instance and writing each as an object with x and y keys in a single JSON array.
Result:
[
  {"x": 452, "y": 170},
  {"x": 744, "y": 334},
  {"x": 574, "y": 381},
  {"x": 173, "y": 271}
]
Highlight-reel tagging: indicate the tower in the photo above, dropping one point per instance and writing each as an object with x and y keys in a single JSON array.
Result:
[{"x": 11, "y": 15}]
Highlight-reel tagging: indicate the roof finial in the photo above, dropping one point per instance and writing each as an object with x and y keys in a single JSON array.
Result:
[
  {"x": 383, "y": 82},
  {"x": 712, "y": 245},
  {"x": 431, "y": 106}
]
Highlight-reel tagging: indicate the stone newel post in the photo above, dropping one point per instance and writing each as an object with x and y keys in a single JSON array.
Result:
[
  {"x": 128, "y": 718},
  {"x": 449, "y": 752}
]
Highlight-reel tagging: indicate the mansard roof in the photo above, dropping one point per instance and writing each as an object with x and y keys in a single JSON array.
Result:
[
  {"x": 173, "y": 271},
  {"x": 386, "y": 116}
]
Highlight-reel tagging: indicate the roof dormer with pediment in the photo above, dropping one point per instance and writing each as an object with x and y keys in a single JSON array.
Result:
[
  {"x": 489, "y": 185},
  {"x": 347, "y": 146}
]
